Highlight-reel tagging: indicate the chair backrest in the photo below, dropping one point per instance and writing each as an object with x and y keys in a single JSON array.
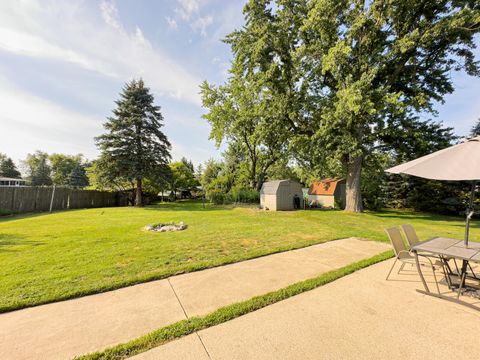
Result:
[
  {"x": 396, "y": 239},
  {"x": 410, "y": 234}
]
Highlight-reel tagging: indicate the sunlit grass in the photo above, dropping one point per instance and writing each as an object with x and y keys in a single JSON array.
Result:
[{"x": 49, "y": 257}]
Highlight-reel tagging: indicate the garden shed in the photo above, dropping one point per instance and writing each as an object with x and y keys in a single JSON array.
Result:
[
  {"x": 281, "y": 195},
  {"x": 328, "y": 193}
]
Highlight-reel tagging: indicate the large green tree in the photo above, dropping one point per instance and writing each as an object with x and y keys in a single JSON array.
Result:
[
  {"x": 182, "y": 176},
  {"x": 381, "y": 62},
  {"x": 243, "y": 111},
  {"x": 38, "y": 169},
  {"x": 8, "y": 168},
  {"x": 63, "y": 165},
  {"x": 134, "y": 146},
  {"x": 78, "y": 177},
  {"x": 341, "y": 75}
]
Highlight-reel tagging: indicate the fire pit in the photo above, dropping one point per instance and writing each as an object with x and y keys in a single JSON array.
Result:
[{"x": 161, "y": 227}]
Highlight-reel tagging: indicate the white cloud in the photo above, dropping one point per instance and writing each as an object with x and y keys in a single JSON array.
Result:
[
  {"x": 110, "y": 14},
  {"x": 26, "y": 44},
  {"x": 141, "y": 38},
  {"x": 29, "y": 123},
  {"x": 201, "y": 24},
  {"x": 103, "y": 46},
  {"x": 189, "y": 11},
  {"x": 172, "y": 23}
]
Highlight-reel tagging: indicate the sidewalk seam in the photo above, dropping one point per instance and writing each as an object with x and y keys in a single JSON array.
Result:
[
  {"x": 185, "y": 313},
  {"x": 203, "y": 344},
  {"x": 178, "y": 299}
]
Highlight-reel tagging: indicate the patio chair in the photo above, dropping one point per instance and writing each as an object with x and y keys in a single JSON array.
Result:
[
  {"x": 410, "y": 234},
  {"x": 404, "y": 256},
  {"x": 412, "y": 239}
]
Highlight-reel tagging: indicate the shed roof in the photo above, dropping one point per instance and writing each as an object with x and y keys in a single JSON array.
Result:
[
  {"x": 271, "y": 187},
  {"x": 324, "y": 187}
]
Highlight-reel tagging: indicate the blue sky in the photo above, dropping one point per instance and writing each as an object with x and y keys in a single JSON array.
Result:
[{"x": 63, "y": 63}]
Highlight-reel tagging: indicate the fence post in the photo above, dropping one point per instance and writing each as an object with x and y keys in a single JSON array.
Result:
[
  {"x": 13, "y": 199},
  {"x": 53, "y": 196}
]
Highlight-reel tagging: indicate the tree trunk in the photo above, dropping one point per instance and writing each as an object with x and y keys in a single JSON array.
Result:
[
  {"x": 353, "y": 191},
  {"x": 138, "y": 195},
  {"x": 261, "y": 178},
  {"x": 253, "y": 179}
]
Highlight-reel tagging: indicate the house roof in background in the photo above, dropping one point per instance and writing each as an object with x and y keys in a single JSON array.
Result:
[
  {"x": 324, "y": 187},
  {"x": 2, "y": 178}
]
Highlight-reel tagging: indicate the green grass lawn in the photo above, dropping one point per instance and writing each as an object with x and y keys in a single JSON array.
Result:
[{"x": 48, "y": 257}]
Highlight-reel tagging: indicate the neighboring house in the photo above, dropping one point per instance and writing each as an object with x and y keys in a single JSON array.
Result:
[
  {"x": 281, "y": 195},
  {"x": 327, "y": 193},
  {"x": 5, "y": 181}
]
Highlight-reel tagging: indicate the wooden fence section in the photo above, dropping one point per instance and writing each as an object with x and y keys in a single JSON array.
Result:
[{"x": 38, "y": 198}]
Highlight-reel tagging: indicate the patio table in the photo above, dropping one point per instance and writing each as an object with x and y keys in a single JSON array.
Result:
[{"x": 446, "y": 249}]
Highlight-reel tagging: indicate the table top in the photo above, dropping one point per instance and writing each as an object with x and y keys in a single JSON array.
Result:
[{"x": 450, "y": 247}]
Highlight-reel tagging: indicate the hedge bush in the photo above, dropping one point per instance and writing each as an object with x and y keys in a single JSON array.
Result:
[{"x": 241, "y": 195}]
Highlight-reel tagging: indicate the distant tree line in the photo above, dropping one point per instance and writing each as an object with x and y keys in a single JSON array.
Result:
[{"x": 41, "y": 168}]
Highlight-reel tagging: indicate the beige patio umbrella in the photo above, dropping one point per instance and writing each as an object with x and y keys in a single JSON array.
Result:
[{"x": 459, "y": 162}]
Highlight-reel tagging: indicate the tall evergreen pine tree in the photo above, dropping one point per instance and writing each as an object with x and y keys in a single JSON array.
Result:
[
  {"x": 475, "y": 131},
  {"x": 78, "y": 177},
  {"x": 133, "y": 144}
]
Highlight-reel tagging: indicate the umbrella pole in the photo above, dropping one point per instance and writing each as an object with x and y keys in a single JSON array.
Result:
[{"x": 470, "y": 211}]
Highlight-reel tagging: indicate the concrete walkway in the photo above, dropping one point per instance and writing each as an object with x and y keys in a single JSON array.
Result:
[
  {"x": 360, "y": 316},
  {"x": 69, "y": 328}
]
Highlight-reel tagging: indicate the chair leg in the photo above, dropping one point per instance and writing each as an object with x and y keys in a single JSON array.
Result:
[
  {"x": 473, "y": 272},
  {"x": 401, "y": 268},
  {"x": 435, "y": 277},
  {"x": 396, "y": 259},
  {"x": 434, "y": 274}
]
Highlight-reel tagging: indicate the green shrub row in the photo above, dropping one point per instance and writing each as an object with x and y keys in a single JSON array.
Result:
[{"x": 220, "y": 197}]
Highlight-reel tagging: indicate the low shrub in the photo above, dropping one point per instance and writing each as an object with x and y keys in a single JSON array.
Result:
[
  {"x": 4, "y": 212},
  {"x": 242, "y": 195},
  {"x": 217, "y": 197}
]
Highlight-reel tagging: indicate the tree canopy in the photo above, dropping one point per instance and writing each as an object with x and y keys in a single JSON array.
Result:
[
  {"x": 68, "y": 170},
  {"x": 342, "y": 77},
  {"x": 38, "y": 169},
  {"x": 182, "y": 176},
  {"x": 8, "y": 167},
  {"x": 134, "y": 146}
]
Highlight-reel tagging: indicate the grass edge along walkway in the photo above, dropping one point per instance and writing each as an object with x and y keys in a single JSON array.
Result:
[
  {"x": 185, "y": 327},
  {"x": 161, "y": 276}
]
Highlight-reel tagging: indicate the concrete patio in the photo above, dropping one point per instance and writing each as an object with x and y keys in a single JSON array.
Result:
[{"x": 360, "y": 316}]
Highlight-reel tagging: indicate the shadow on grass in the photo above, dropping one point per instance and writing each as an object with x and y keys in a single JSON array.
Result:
[
  {"x": 179, "y": 205},
  {"x": 4, "y": 219},
  {"x": 407, "y": 214},
  {"x": 29, "y": 215},
  {"x": 192, "y": 205},
  {"x": 8, "y": 240}
]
